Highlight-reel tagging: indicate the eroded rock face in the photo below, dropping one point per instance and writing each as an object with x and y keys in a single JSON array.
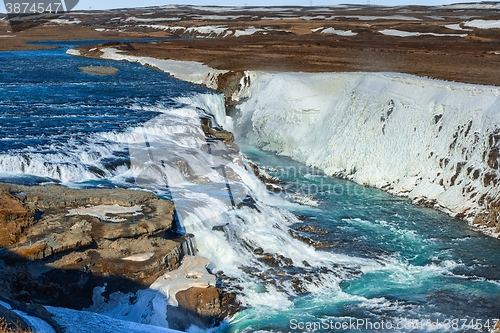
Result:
[
  {"x": 15, "y": 218},
  {"x": 200, "y": 306},
  {"x": 71, "y": 219}
]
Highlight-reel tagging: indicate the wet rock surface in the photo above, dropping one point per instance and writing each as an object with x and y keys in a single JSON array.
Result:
[
  {"x": 285, "y": 275},
  {"x": 312, "y": 235},
  {"x": 99, "y": 70}
]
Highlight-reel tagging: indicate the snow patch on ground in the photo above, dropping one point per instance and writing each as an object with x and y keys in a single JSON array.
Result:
[
  {"x": 140, "y": 257},
  {"x": 247, "y": 32},
  {"x": 472, "y": 6},
  {"x": 437, "y": 18},
  {"x": 159, "y": 19},
  {"x": 62, "y": 21},
  {"x": 390, "y": 17},
  {"x": 103, "y": 211},
  {"x": 456, "y": 27},
  {"x": 220, "y": 17},
  {"x": 73, "y": 52},
  {"x": 208, "y": 30},
  {"x": 339, "y": 32},
  {"x": 318, "y": 17},
  {"x": 483, "y": 24},
  {"x": 37, "y": 325},
  {"x": 401, "y": 33},
  {"x": 88, "y": 322}
]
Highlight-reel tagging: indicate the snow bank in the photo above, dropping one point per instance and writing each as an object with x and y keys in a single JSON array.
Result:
[
  {"x": 208, "y": 30},
  {"x": 62, "y": 21},
  {"x": 158, "y": 19},
  {"x": 190, "y": 71},
  {"x": 36, "y": 324},
  {"x": 422, "y": 138},
  {"x": 480, "y": 5},
  {"x": 192, "y": 273},
  {"x": 88, "y": 322},
  {"x": 247, "y": 32},
  {"x": 375, "y": 18}
]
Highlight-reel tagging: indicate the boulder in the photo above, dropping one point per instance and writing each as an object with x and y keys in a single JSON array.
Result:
[{"x": 198, "y": 306}]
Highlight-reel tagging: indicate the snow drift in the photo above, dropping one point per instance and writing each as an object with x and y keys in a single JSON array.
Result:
[{"x": 436, "y": 142}]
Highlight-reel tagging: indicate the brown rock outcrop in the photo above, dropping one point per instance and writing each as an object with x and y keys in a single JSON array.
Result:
[
  {"x": 72, "y": 219},
  {"x": 223, "y": 135},
  {"x": 60, "y": 243},
  {"x": 15, "y": 218},
  {"x": 490, "y": 219},
  {"x": 203, "y": 307}
]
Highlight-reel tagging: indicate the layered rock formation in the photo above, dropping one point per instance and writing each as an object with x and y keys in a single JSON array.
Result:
[
  {"x": 59, "y": 244},
  {"x": 87, "y": 236}
]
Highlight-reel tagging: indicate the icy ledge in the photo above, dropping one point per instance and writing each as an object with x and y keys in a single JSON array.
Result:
[
  {"x": 189, "y": 71},
  {"x": 436, "y": 142}
]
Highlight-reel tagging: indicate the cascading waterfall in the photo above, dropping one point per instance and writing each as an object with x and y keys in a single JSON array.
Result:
[{"x": 388, "y": 260}]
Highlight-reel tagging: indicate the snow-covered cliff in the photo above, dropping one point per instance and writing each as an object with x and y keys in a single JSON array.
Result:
[{"x": 436, "y": 142}]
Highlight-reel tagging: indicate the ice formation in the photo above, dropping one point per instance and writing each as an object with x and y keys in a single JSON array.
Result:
[{"x": 429, "y": 140}]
